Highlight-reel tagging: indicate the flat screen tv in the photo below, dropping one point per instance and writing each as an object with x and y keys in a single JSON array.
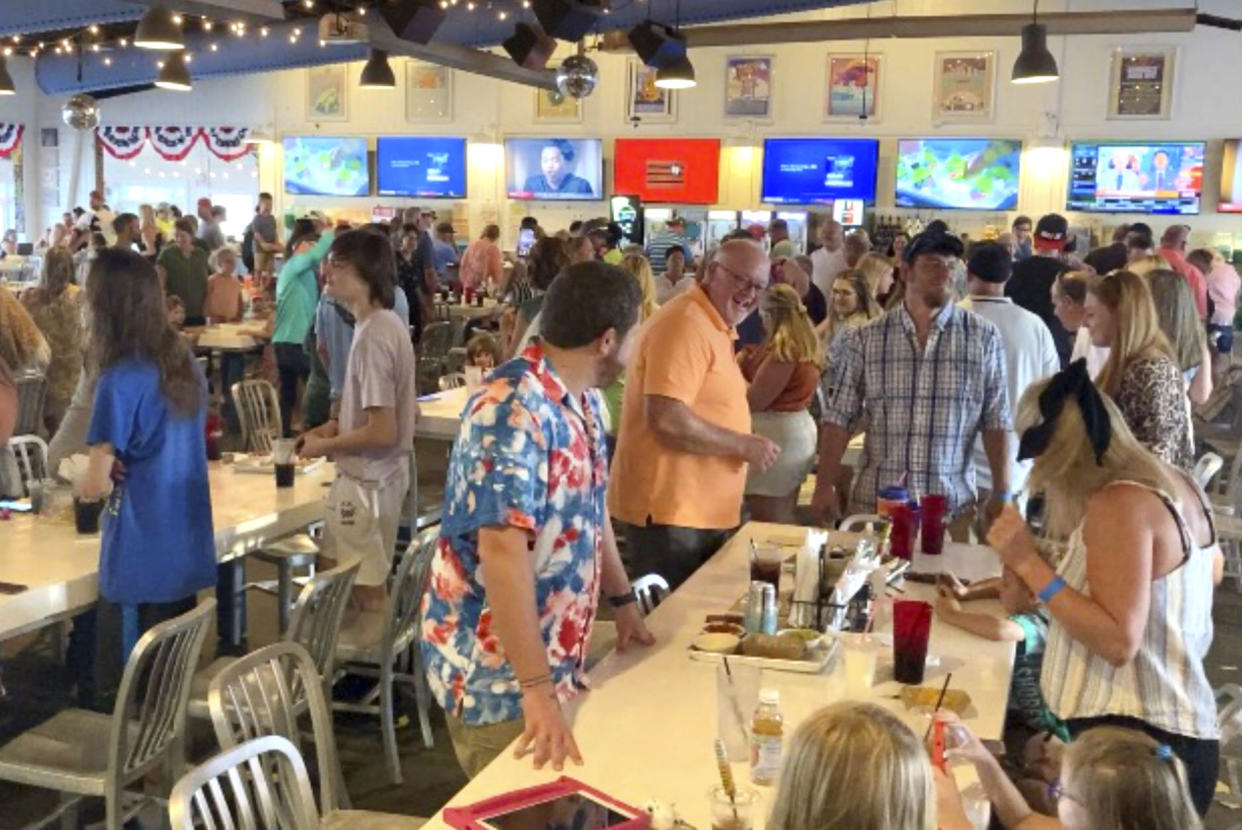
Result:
[
  {"x": 565, "y": 169},
  {"x": 1231, "y": 178},
  {"x": 669, "y": 170},
  {"x": 318, "y": 166},
  {"x": 958, "y": 173},
  {"x": 1136, "y": 177},
  {"x": 810, "y": 171},
  {"x": 421, "y": 166}
]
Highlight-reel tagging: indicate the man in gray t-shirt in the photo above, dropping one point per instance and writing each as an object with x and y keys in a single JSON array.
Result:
[{"x": 266, "y": 236}]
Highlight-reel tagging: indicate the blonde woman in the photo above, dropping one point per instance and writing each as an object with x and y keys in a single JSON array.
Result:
[
  {"x": 1130, "y": 598},
  {"x": 640, "y": 268},
  {"x": 878, "y": 270},
  {"x": 850, "y": 306},
  {"x": 1175, "y": 308},
  {"x": 150, "y": 240},
  {"x": 1146, "y": 263},
  {"x": 783, "y": 373},
  {"x": 56, "y": 308},
  {"x": 854, "y": 766},
  {"x": 1111, "y": 779},
  {"x": 1141, "y": 373}
]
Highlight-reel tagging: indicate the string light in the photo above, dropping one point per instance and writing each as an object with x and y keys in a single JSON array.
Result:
[
  {"x": 124, "y": 42},
  {"x": 297, "y": 31},
  {"x": 263, "y": 32},
  {"x": 309, "y": 4},
  {"x": 215, "y": 47},
  {"x": 502, "y": 15},
  {"x": 177, "y": 19},
  {"x": 107, "y": 61},
  {"x": 17, "y": 38},
  {"x": 94, "y": 28},
  {"x": 293, "y": 39},
  {"x": 8, "y": 51},
  {"x": 94, "y": 47},
  {"x": 207, "y": 25},
  {"x": 362, "y": 11}
]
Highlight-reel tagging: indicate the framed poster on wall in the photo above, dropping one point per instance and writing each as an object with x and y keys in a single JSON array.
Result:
[
  {"x": 748, "y": 87},
  {"x": 1141, "y": 83},
  {"x": 326, "y": 92},
  {"x": 428, "y": 92},
  {"x": 852, "y": 87},
  {"x": 551, "y": 107},
  {"x": 964, "y": 86},
  {"x": 646, "y": 101}
]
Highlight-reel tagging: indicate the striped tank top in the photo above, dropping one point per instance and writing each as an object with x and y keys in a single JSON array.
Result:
[{"x": 1165, "y": 684}]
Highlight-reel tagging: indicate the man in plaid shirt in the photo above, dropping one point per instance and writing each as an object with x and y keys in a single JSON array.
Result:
[{"x": 929, "y": 376}]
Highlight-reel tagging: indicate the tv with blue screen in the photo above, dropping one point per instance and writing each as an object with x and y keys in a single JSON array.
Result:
[
  {"x": 565, "y": 169},
  {"x": 433, "y": 168},
  {"x": 958, "y": 173},
  {"x": 810, "y": 171},
  {"x": 1136, "y": 177},
  {"x": 317, "y": 166}
]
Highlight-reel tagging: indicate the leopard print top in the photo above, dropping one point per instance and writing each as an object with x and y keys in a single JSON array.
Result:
[{"x": 1152, "y": 399}]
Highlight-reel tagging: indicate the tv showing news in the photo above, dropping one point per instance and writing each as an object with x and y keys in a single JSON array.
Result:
[
  {"x": 421, "y": 166},
  {"x": 1231, "y": 179},
  {"x": 670, "y": 170},
  {"x": 1136, "y": 177},
  {"x": 318, "y": 166},
  {"x": 809, "y": 171},
  {"x": 958, "y": 173},
  {"x": 567, "y": 169}
]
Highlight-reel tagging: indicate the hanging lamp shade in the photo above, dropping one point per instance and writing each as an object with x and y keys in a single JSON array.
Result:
[
  {"x": 377, "y": 74},
  {"x": 158, "y": 30},
  {"x": 7, "y": 86},
  {"x": 174, "y": 74},
  {"x": 1035, "y": 64},
  {"x": 677, "y": 75}
]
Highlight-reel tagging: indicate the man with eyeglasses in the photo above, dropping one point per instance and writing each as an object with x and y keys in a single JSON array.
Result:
[
  {"x": 930, "y": 376},
  {"x": 684, "y": 440}
]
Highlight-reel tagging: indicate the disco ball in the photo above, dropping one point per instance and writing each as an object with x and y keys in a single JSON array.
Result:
[
  {"x": 81, "y": 112},
  {"x": 577, "y": 76}
]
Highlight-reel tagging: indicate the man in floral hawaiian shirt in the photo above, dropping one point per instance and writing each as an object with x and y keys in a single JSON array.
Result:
[{"x": 526, "y": 545}]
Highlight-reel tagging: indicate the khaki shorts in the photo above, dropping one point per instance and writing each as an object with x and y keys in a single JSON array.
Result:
[
  {"x": 478, "y": 746},
  {"x": 361, "y": 520},
  {"x": 264, "y": 262}
]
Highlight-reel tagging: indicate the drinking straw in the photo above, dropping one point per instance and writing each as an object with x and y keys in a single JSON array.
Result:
[
  {"x": 939, "y": 701},
  {"x": 732, "y": 695},
  {"x": 726, "y": 776}
]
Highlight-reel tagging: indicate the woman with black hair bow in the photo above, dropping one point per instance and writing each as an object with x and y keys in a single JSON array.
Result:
[{"x": 1131, "y": 599}]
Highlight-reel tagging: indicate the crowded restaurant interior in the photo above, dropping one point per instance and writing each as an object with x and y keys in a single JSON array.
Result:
[{"x": 545, "y": 414}]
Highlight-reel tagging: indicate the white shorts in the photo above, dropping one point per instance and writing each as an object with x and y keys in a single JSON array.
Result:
[{"x": 361, "y": 520}]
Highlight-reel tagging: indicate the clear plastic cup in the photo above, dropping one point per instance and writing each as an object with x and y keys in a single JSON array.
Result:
[{"x": 737, "y": 813}]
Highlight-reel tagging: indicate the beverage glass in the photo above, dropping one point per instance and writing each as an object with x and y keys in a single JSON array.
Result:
[
  {"x": 911, "y": 631},
  {"x": 858, "y": 660},
  {"x": 283, "y": 459},
  {"x": 736, "y": 698},
  {"x": 736, "y": 813},
  {"x": 901, "y": 540},
  {"x": 474, "y": 377},
  {"x": 933, "y": 508},
  {"x": 765, "y": 565},
  {"x": 86, "y": 515}
]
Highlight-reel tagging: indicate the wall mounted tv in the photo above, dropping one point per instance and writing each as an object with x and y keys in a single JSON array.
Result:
[
  {"x": 1231, "y": 178},
  {"x": 318, "y": 166},
  {"x": 809, "y": 171},
  {"x": 421, "y": 166},
  {"x": 1136, "y": 177},
  {"x": 566, "y": 169},
  {"x": 670, "y": 170},
  {"x": 958, "y": 173}
]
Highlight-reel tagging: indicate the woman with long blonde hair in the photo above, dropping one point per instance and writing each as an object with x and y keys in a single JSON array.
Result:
[
  {"x": 1130, "y": 597},
  {"x": 56, "y": 308},
  {"x": 854, "y": 766},
  {"x": 640, "y": 268},
  {"x": 851, "y": 305},
  {"x": 1179, "y": 320},
  {"x": 783, "y": 373},
  {"x": 1141, "y": 374}
]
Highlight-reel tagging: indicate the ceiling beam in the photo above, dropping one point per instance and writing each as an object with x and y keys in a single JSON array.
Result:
[
  {"x": 230, "y": 10},
  {"x": 455, "y": 56},
  {"x": 1117, "y": 22}
]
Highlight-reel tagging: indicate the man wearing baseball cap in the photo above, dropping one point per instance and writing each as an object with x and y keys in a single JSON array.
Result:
[{"x": 1031, "y": 284}]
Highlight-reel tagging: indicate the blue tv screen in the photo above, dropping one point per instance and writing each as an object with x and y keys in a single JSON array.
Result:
[
  {"x": 316, "y": 166},
  {"x": 958, "y": 173},
  {"x": 421, "y": 166},
  {"x": 807, "y": 171}
]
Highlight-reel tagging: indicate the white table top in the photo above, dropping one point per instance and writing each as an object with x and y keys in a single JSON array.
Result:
[
  {"x": 473, "y": 312},
  {"x": 439, "y": 414},
  {"x": 646, "y": 728},
  {"x": 228, "y": 337},
  {"x": 61, "y": 567}
]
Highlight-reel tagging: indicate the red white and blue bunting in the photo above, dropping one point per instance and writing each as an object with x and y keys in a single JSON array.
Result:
[
  {"x": 10, "y": 139},
  {"x": 173, "y": 143}
]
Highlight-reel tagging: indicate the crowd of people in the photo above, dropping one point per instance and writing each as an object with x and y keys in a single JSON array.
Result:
[{"x": 1048, "y": 398}]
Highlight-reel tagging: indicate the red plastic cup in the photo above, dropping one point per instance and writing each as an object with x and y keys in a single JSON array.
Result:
[
  {"x": 934, "y": 509},
  {"x": 911, "y": 631},
  {"x": 901, "y": 540}
]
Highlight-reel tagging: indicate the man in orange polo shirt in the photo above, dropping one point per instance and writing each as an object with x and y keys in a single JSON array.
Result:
[{"x": 685, "y": 438}]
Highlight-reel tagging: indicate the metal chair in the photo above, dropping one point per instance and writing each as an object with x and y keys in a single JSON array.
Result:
[
  {"x": 266, "y": 693},
  {"x": 1206, "y": 468},
  {"x": 258, "y": 785},
  {"x": 30, "y": 452},
  {"x": 1229, "y": 722},
  {"x": 437, "y": 340},
  {"x": 315, "y": 624},
  {"x": 386, "y": 648},
  {"x": 651, "y": 590},
  {"x": 258, "y": 409},
  {"x": 860, "y": 522},
  {"x": 456, "y": 360},
  {"x": 81, "y": 753},
  {"x": 31, "y": 394},
  {"x": 453, "y": 380}
]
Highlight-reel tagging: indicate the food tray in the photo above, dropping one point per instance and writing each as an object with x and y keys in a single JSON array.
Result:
[
  {"x": 817, "y": 659},
  {"x": 263, "y": 464}
]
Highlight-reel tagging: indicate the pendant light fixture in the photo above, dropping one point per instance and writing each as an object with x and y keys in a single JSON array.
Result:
[
  {"x": 158, "y": 30},
  {"x": 173, "y": 74},
  {"x": 1035, "y": 64},
  {"x": 677, "y": 75},
  {"x": 6, "y": 80},
  {"x": 377, "y": 74}
]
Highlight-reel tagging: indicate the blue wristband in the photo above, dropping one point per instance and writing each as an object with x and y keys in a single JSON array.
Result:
[{"x": 1051, "y": 590}]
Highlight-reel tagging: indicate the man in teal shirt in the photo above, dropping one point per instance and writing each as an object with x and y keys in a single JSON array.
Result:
[{"x": 297, "y": 294}]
